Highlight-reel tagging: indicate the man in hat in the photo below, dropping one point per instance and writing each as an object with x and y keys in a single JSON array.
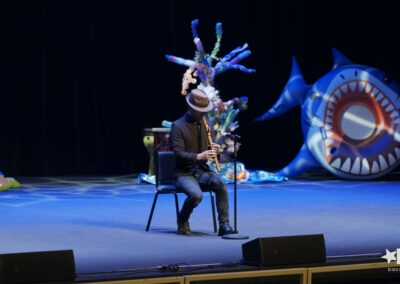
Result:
[{"x": 190, "y": 145}]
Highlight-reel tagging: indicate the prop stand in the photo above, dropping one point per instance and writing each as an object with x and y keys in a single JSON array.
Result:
[{"x": 235, "y": 235}]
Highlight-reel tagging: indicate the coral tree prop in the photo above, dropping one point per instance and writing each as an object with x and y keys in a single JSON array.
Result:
[{"x": 202, "y": 71}]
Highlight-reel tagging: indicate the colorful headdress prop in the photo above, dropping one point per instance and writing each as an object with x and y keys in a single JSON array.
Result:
[{"x": 202, "y": 65}]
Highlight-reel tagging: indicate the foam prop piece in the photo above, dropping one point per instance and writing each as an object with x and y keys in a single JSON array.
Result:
[
  {"x": 146, "y": 178},
  {"x": 202, "y": 63},
  {"x": 223, "y": 114},
  {"x": 222, "y": 118},
  {"x": 350, "y": 120},
  {"x": 6, "y": 183},
  {"x": 246, "y": 176},
  {"x": 166, "y": 123}
]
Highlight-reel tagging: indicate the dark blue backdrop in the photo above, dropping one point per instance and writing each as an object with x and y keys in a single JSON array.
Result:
[{"x": 79, "y": 80}]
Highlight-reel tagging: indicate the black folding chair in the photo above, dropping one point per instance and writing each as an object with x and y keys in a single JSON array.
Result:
[{"x": 165, "y": 182}]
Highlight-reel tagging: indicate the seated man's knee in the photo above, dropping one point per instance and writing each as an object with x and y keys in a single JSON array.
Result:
[
  {"x": 196, "y": 198},
  {"x": 216, "y": 183}
]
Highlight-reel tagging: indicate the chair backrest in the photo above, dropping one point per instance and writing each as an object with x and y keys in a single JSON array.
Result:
[{"x": 165, "y": 168}]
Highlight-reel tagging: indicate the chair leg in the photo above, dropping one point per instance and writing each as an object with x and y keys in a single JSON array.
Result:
[
  {"x": 213, "y": 211},
  {"x": 152, "y": 211},
  {"x": 176, "y": 207}
]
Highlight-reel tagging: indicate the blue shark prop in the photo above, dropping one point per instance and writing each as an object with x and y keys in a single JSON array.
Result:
[{"x": 350, "y": 120}]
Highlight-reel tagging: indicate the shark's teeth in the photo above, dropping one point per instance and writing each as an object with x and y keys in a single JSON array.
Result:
[
  {"x": 389, "y": 108},
  {"x": 328, "y": 126},
  {"x": 379, "y": 97},
  {"x": 346, "y": 165},
  {"x": 353, "y": 86},
  {"x": 331, "y": 106},
  {"x": 368, "y": 88},
  {"x": 362, "y": 166},
  {"x": 365, "y": 167},
  {"x": 329, "y": 142},
  {"x": 361, "y": 86},
  {"x": 391, "y": 159},
  {"x": 344, "y": 88},
  {"x": 355, "y": 169},
  {"x": 397, "y": 151},
  {"x": 394, "y": 114},
  {"x": 329, "y": 113},
  {"x": 328, "y": 119},
  {"x": 336, "y": 163},
  {"x": 383, "y": 163},
  {"x": 375, "y": 167},
  {"x": 397, "y": 134},
  {"x": 338, "y": 93},
  {"x": 374, "y": 92},
  {"x": 332, "y": 99},
  {"x": 384, "y": 102}
]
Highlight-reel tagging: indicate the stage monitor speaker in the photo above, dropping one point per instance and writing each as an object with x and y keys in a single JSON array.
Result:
[
  {"x": 289, "y": 250},
  {"x": 37, "y": 267}
]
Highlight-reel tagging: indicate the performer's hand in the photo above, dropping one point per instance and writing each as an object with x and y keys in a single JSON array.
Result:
[
  {"x": 216, "y": 148},
  {"x": 207, "y": 155}
]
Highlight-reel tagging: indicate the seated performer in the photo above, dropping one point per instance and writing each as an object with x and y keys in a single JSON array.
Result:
[{"x": 190, "y": 145}]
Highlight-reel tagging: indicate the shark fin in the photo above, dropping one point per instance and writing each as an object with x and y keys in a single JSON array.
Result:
[
  {"x": 292, "y": 95},
  {"x": 303, "y": 162},
  {"x": 339, "y": 59}
]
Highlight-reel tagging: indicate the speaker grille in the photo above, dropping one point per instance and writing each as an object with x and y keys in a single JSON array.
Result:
[
  {"x": 286, "y": 250},
  {"x": 37, "y": 267}
]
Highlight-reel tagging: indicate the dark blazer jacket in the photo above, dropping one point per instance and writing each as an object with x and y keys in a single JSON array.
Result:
[{"x": 186, "y": 144}]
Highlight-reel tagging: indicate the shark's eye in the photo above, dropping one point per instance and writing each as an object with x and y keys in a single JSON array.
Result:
[
  {"x": 315, "y": 95},
  {"x": 387, "y": 79}
]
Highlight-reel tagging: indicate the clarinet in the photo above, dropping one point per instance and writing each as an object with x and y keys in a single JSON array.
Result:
[{"x": 210, "y": 143}]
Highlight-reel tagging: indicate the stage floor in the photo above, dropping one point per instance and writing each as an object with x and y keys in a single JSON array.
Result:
[{"x": 103, "y": 220}]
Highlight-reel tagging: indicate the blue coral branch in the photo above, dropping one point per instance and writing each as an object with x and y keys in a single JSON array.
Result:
[
  {"x": 233, "y": 52},
  {"x": 194, "y": 28}
]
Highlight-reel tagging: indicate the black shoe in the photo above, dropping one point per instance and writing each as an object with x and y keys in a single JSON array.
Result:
[
  {"x": 225, "y": 229},
  {"x": 184, "y": 229}
]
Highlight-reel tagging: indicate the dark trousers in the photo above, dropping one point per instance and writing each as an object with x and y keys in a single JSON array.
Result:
[{"x": 193, "y": 186}]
